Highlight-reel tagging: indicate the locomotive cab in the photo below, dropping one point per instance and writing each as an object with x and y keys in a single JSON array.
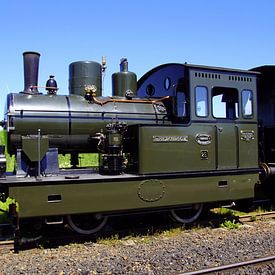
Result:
[{"x": 214, "y": 116}]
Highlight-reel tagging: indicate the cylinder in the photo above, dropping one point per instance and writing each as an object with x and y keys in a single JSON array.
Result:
[
  {"x": 124, "y": 82},
  {"x": 31, "y": 67},
  {"x": 83, "y": 74}
]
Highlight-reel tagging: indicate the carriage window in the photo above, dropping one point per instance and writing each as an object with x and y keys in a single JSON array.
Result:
[
  {"x": 247, "y": 103},
  {"x": 225, "y": 103},
  {"x": 201, "y": 97}
]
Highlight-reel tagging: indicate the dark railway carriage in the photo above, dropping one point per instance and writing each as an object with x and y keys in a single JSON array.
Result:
[{"x": 179, "y": 137}]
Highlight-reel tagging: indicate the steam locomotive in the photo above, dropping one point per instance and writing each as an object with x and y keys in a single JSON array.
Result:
[{"x": 178, "y": 138}]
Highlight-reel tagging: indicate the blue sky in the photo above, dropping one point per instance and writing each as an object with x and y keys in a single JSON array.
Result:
[{"x": 237, "y": 34}]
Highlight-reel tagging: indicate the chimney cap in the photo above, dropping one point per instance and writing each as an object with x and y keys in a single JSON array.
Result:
[{"x": 31, "y": 52}]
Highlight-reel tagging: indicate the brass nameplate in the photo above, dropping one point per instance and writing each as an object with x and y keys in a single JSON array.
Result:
[
  {"x": 247, "y": 135},
  {"x": 170, "y": 138},
  {"x": 203, "y": 139}
]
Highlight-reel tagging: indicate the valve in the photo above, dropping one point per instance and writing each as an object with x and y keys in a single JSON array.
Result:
[{"x": 90, "y": 92}]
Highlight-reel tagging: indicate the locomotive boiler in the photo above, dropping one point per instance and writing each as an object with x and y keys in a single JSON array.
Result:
[
  {"x": 180, "y": 137},
  {"x": 70, "y": 122}
]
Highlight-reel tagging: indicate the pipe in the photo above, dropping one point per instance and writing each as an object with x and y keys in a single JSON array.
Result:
[
  {"x": 123, "y": 65},
  {"x": 31, "y": 67},
  {"x": 38, "y": 152},
  {"x": 130, "y": 101}
]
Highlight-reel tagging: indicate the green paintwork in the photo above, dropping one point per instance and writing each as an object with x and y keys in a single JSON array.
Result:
[
  {"x": 124, "y": 81},
  {"x": 190, "y": 157},
  {"x": 248, "y": 149},
  {"x": 226, "y": 149},
  {"x": 226, "y": 146},
  {"x": 83, "y": 74},
  {"x": 232, "y": 151},
  {"x": 30, "y": 147},
  {"x": 165, "y": 157},
  {"x": 125, "y": 195},
  {"x": 70, "y": 128}
]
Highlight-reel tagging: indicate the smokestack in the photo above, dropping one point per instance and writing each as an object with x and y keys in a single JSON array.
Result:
[{"x": 31, "y": 65}]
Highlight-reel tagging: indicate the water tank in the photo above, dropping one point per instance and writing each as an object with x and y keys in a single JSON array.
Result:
[{"x": 82, "y": 74}]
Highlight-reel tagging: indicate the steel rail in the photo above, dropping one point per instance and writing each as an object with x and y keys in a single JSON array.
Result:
[
  {"x": 257, "y": 216},
  {"x": 231, "y": 266},
  {"x": 6, "y": 246}
]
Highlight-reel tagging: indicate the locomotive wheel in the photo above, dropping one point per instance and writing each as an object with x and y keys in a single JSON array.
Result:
[
  {"x": 187, "y": 214},
  {"x": 86, "y": 224}
]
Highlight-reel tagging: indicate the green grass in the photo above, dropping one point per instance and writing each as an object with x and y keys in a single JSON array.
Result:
[
  {"x": 4, "y": 208},
  {"x": 85, "y": 160},
  {"x": 134, "y": 238},
  {"x": 230, "y": 224},
  {"x": 114, "y": 239},
  {"x": 229, "y": 217},
  {"x": 226, "y": 212},
  {"x": 172, "y": 232},
  {"x": 10, "y": 159}
]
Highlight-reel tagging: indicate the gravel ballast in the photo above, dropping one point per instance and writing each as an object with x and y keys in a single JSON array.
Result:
[{"x": 164, "y": 254}]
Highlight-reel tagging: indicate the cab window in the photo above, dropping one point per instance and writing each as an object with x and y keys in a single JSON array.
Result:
[
  {"x": 201, "y": 99},
  {"x": 225, "y": 103},
  {"x": 247, "y": 101}
]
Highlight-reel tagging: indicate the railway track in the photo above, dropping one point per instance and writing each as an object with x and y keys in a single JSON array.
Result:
[
  {"x": 234, "y": 266},
  {"x": 257, "y": 216},
  {"x": 6, "y": 246},
  {"x": 68, "y": 236}
]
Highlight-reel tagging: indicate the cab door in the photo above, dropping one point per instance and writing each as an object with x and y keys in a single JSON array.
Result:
[
  {"x": 226, "y": 146},
  {"x": 247, "y": 131},
  {"x": 225, "y": 110}
]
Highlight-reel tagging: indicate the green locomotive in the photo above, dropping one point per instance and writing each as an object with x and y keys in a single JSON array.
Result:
[{"x": 180, "y": 137}]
